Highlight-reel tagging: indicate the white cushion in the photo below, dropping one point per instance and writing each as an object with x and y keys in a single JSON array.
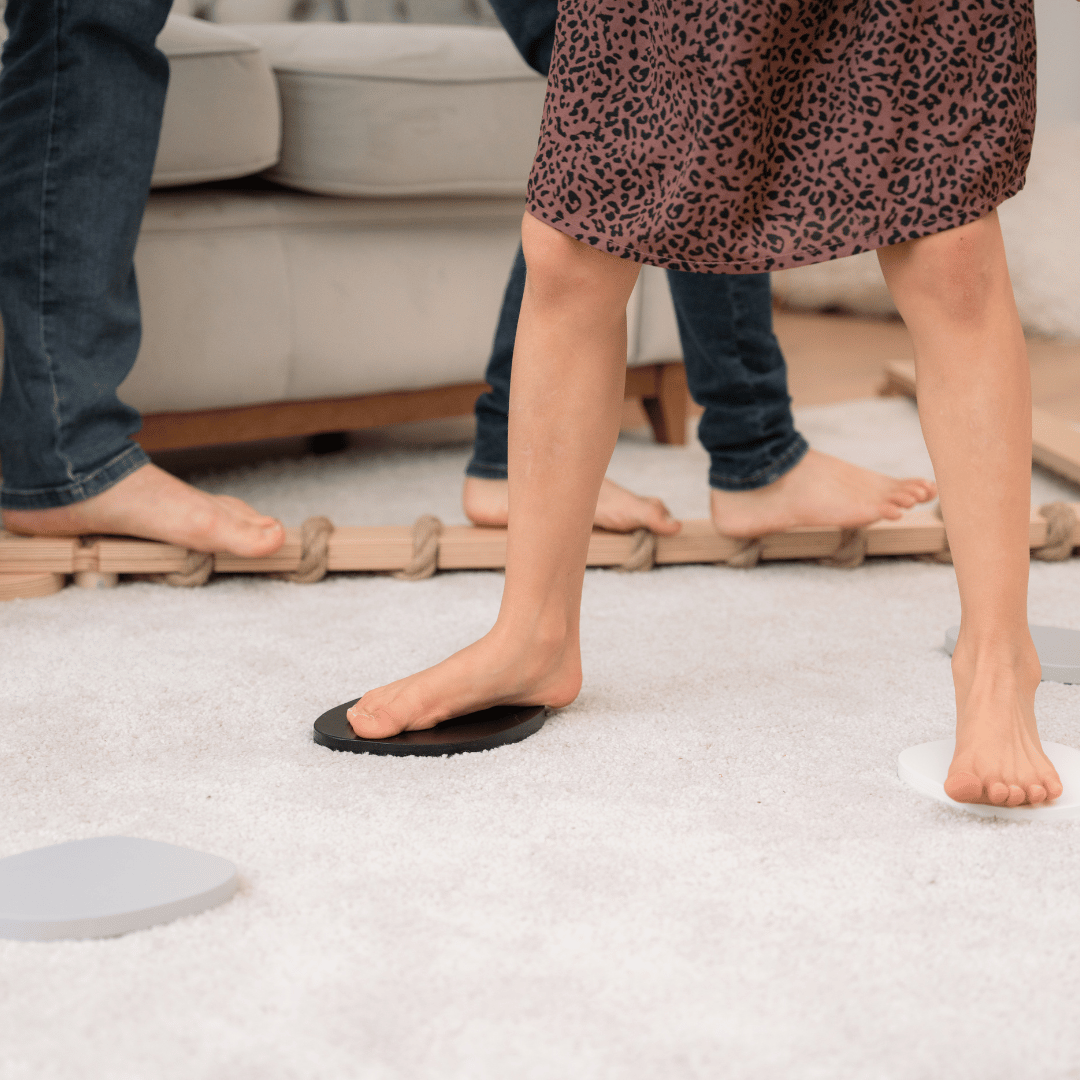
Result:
[
  {"x": 260, "y": 296},
  {"x": 221, "y": 113},
  {"x": 402, "y": 110}
]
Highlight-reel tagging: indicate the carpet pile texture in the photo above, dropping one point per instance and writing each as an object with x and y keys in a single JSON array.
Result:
[{"x": 705, "y": 867}]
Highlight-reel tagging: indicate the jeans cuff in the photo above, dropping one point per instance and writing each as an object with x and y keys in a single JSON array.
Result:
[
  {"x": 124, "y": 464},
  {"x": 772, "y": 472},
  {"x": 485, "y": 470}
]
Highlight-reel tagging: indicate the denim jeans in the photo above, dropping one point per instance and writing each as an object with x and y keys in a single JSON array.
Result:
[
  {"x": 734, "y": 366},
  {"x": 81, "y": 97}
]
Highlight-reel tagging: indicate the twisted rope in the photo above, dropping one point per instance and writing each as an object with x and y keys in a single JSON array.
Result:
[
  {"x": 1060, "y": 525},
  {"x": 850, "y": 552},
  {"x": 314, "y": 552},
  {"x": 747, "y": 556},
  {"x": 642, "y": 554},
  {"x": 425, "y": 557},
  {"x": 198, "y": 566}
]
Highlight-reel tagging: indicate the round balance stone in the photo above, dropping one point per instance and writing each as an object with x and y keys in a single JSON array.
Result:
[
  {"x": 483, "y": 730},
  {"x": 925, "y": 767},
  {"x": 105, "y": 886},
  {"x": 1058, "y": 649}
]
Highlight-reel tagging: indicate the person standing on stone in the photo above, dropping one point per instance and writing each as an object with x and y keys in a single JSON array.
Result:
[{"x": 739, "y": 138}]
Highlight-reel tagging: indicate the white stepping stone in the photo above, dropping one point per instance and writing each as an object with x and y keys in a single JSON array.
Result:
[
  {"x": 105, "y": 886},
  {"x": 1058, "y": 649},
  {"x": 925, "y": 767}
]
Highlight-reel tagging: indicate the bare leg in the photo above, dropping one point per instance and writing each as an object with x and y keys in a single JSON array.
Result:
[
  {"x": 821, "y": 490},
  {"x": 565, "y": 407},
  {"x": 150, "y": 503},
  {"x": 954, "y": 293},
  {"x": 487, "y": 502}
]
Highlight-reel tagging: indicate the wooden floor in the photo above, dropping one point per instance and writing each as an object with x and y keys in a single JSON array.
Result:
[
  {"x": 839, "y": 357},
  {"x": 835, "y": 358}
]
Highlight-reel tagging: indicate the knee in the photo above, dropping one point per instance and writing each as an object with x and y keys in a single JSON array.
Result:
[
  {"x": 561, "y": 271},
  {"x": 959, "y": 275}
]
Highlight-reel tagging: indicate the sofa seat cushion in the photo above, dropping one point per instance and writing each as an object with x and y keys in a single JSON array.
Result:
[
  {"x": 402, "y": 110},
  {"x": 221, "y": 113}
]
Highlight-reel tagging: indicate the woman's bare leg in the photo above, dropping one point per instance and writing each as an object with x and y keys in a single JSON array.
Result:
[
  {"x": 954, "y": 293},
  {"x": 565, "y": 407}
]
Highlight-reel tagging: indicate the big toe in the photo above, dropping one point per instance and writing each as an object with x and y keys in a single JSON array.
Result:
[
  {"x": 371, "y": 721},
  {"x": 658, "y": 519},
  {"x": 963, "y": 786}
]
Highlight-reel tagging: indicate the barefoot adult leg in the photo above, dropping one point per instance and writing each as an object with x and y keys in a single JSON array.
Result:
[
  {"x": 152, "y": 504},
  {"x": 954, "y": 293},
  {"x": 569, "y": 374}
]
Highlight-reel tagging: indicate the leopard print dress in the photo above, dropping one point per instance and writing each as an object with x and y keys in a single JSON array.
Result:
[{"x": 739, "y": 136}]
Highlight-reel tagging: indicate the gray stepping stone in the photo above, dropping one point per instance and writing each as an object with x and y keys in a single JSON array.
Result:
[{"x": 105, "y": 886}]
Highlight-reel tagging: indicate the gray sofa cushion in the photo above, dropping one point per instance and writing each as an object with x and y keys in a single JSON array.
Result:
[
  {"x": 221, "y": 114},
  {"x": 402, "y": 110}
]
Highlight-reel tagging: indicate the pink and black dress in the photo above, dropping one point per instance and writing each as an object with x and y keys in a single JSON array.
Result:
[{"x": 739, "y": 136}]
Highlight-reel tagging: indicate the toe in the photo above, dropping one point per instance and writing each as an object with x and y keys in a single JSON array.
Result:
[
  {"x": 659, "y": 519},
  {"x": 1036, "y": 794},
  {"x": 371, "y": 724},
  {"x": 963, "y": 787},
  {"x": 1016, "y": 795},
  {"x": 997, "y": 792},
  {"x": 1053, "y": 785}
]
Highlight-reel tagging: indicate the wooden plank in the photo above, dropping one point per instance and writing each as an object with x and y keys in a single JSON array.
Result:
[
  {"x": 138, "y": 557},
  {"x": 382, "y": 547},
  {"x": 37, "y": 554},
  {"x": 697, "y": 541},
  {"x": 287, "y": 557},
  {"x": 918, "y": 532},
  {"x": 29, "y": 585},
  {"x": 1055, "y": 445}
]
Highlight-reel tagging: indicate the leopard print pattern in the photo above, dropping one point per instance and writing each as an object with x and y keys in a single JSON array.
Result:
[{"x": 739, "y": 136}]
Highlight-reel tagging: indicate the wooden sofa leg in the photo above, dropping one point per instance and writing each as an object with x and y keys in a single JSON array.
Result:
[{"x": 666, "y": 409}]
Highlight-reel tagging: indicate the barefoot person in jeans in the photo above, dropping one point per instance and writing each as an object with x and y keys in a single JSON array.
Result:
[
  {"x": 81, "y": 97},
  {"x": 763, "y": 476}
]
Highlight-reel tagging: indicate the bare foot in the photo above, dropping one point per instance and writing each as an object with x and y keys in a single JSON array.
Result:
[
  {"x": 493, "y": 671},
  {"x": 154, "y": 505},
  {"x": 998, "y": 757},
  {"x": 619, "y": 510},
  {"x": 821, "y": 490}
]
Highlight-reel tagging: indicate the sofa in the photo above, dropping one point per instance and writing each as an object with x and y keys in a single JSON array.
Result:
[{"x": 335, "y": 213}]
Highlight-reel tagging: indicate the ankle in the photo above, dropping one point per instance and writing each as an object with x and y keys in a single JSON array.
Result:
[{"x": 997, "y": 657}]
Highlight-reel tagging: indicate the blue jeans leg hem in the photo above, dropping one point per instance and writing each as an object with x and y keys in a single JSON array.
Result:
[
  {"x": 485, "y": 471},
  {"x": 124, "y": 464},
  {"x": 763, "y": 477}
]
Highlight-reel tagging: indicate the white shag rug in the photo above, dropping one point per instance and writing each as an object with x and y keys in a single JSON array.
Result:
[{"x": 706, "y": 867}]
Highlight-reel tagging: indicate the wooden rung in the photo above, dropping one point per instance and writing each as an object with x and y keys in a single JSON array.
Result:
[
  {"x": 286, "y": 558},
  {"x": 1055, "y": 443},
  {"x": 37, "y": 554}
]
